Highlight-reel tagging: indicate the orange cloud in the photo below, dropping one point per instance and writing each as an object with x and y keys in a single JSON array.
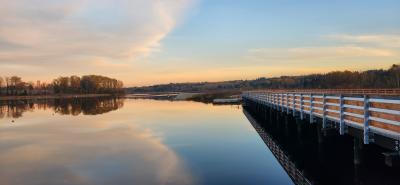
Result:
[
  {"x": 73, "y": 34},
  {"x": 318, "y": 53}
]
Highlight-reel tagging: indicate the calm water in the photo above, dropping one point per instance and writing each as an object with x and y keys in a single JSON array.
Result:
[{"x": 116, "y": 141}]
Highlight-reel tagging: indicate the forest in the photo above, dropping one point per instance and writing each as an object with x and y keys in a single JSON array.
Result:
[
  {"x": 377, "y": 78},
  {"x": 95, "y": 84},
  {"x": 88, "y": 84}
]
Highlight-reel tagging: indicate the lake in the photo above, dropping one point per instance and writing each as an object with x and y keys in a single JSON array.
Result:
[
  {"x": 130, "y": 141},
  {"x": 105, "y": 141}
]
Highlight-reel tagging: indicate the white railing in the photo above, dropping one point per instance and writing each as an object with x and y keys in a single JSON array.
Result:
[{"x": 372, "y": 115}]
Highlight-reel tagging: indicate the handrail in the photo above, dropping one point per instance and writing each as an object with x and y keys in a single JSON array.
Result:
[
  {"x": 381, "y": 92},
  {"x": 379, "y": 114}
]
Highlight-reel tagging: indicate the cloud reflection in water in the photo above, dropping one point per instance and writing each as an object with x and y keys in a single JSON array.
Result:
[{"x": 73, "y": 151}]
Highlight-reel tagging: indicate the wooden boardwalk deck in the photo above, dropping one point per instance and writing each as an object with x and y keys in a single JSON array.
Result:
[{"x": 371, "y": 111}]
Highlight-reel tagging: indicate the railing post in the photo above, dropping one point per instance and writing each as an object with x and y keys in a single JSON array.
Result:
[
  {"x": 366, "y": 119},
  {"x": 311, "y": 109},
  {"x": 324, "y": 112},
  {"x": 294, "y": 104},
  {"x": 273, "y": 100},
  {"x": 282, "y": 103},
  {"x": 287, "y": 103},
  {"x": 263, "y": 98},
  {"x": 341, "y": 114},
  {"x": 266, "y": 99},
  {"x": 277, "y": 101},
  {"x": 301, "y": 107},
  {"x": 270, "y": 100}
]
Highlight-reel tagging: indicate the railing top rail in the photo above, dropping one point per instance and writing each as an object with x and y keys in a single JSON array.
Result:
[{"x": 379, "y": 92}]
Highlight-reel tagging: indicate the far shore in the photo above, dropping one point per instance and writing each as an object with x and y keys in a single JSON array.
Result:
[{"x": 52, "y": 96}]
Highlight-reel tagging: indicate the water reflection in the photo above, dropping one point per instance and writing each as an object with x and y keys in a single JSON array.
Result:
[
  {"x": 88, "y": 157},
  {"x": 144, "y": 142},
  {"x": 76, "y": 106},
  {"x": 68, "y": 150}
]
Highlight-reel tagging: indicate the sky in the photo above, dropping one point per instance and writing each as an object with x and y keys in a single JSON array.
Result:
[{"x": 145, "y": 42}]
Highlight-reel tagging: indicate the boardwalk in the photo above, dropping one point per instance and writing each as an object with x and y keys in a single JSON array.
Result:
[{"x": 374, "y": 114}]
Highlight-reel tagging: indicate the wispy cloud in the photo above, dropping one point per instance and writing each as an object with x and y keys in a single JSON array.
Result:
[
  {"x": 318, "y": 53},
  {"x": 59, "y": 34},
  {"x": 341, "y": 46},
  {"x": 382, "y": 40}
]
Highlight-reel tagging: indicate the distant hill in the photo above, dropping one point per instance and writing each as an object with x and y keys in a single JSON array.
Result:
[{"x": 381, "y": 78}]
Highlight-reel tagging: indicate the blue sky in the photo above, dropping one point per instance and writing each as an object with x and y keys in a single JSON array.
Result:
[{"x": 149, "y": 42}]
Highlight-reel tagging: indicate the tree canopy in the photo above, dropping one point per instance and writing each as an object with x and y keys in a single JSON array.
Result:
[{"x": 88, "y": 84}]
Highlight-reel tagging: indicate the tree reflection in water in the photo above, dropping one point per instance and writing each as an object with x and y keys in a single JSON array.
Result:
[{"x": 67, "y": 106}]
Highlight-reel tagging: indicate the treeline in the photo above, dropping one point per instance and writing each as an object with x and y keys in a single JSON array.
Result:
[
  {"x": 15, "y": 86},
  {"x": 389, "y": 78},
  {"x": 380, "y": 78},
  {"x": 88, "y": 84}
]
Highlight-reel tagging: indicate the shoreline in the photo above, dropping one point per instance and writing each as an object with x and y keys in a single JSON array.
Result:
[{"x": 53, "y": 96}]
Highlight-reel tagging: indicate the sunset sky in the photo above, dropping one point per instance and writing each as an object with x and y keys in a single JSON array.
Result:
[{"x": 144, "y": 42}]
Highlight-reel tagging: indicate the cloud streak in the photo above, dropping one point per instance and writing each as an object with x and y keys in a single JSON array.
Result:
[
  {"x": 318, "y": 53},
  {"x": 65, "y": 34},
  {"x": 342, "y": 46},
  {"x": 377, "y": 39}
]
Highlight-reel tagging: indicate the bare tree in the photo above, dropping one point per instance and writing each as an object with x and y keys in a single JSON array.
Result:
[
  {"x": 395, "y": 71},
  {"x": 1, "y": 84},
  {"x": 16, "y": 84},
  {"x": 7, "y": 85}
]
